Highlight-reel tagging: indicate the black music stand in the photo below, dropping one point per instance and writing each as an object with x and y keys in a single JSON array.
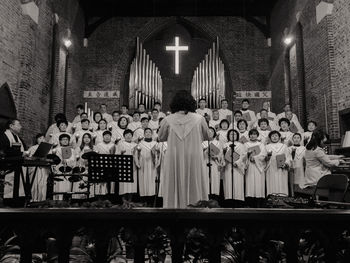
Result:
[{"x": 107, "y": 168}]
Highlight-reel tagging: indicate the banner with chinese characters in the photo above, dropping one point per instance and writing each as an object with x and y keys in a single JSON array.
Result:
[
  {"x": 103, "y": 94},
  {"x": 253, "y": 94}
]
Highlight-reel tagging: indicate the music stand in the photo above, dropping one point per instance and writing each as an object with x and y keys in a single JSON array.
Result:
[{"x": 106, "y": 168}]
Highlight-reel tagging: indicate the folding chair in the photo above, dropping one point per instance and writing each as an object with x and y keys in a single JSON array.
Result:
[{"x": 331, "y": 187}]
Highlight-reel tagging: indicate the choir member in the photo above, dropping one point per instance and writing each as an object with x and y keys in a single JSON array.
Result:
[
  {"x": 147, "y": 164},
  {"x": 39, "y": 186},
  {"x": 104, "y": 147},
  {"x": 297, "y": 153},
  {"x": 264, "y": 130},
  {"x": 263, "y": 114},
  {"x": 286, "y": 135},
  {"x": 216, "y": 161},
  {"x": 294, "y": 117},
  {"x": 105, "y": 115},
  {"x": 78, "y": 135},
  {"x": 68, "y": 161},
  {"x": 311, "y": 126},
  {"x": 11, "y": 145},
  {"x": 270, "y": 115},
  {"x": 127, "y": 147},
  {"x": 77, "y": 126},
  {"x": 215, "y": 122},
  {"x": 125, "y": 113},
  {"x": 278, "y": 161},
  {"x": 318, "y": 163},
  {"x": 222, "y": 133},
  {"x": 142, "y": 111},
  {"x": 102, "y": 127},
  {"x": 224, "y": 112},
  {"x": 118, "y": 133},
  {"x": 62, "y": 129},
  {"x": 54, "y": 128},
  {"x": 114, "y": 123},
  {"x": 242, "y": 128},
  {"x": 239, "y": 165},
  {"x": 136, "y": 123},
  {"x": 97, "y": 117},
  {"x": 158, "y": 106},
  {"x": 80, "y": 110},
  {"x": 139, "y": 133},
  {"x": 294, "y": 123},
  {"x": 154, "y": 121},
  {"x": 202, "y": 110},
  {"x": 247, "y": 114},
  {"x": 255, "y": 174}
]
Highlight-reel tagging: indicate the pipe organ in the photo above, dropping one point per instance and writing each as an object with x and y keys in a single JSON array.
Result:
[
  {"x": 208, "y": 80},
  {"x": 145, "y": 81}
]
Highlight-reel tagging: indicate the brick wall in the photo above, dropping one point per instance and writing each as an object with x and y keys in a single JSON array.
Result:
[
  {"x": 111, "y": 49},
  {"x": 25, "y": 59}
]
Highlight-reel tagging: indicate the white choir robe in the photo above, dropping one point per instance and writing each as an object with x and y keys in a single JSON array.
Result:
[
  {"x": 138, "y": 133},
  {"x": 76, "y": 119},
  {"x": 242, "y": 134},
  {"x": 222, "y": 136},
  {"x": 94, "y": 126},
  {"x": 127, "y": 148},
  {"x": 9, "y": 178},
  {"x": 39, "y": 187},
  {"x": 298, "y": 165},
  {"x": 215, "y": 124},
  {"x": 272, "y": 125},
  {"x": 162, "y": 146},
  {"x": 252, "y": 117},
  {"x": 288, "y": 136},
  {"x": 224, "y": 113},
  {"x": 112, "y": 125},
  {"x": 204, "y": 111},
  {"x": 255, "y": 173},
  {"x": 107, "y": 117},
  {"x": 216, "y": 163},
  {"x": 134, "y": 125},
  {"x": 55, "y": 138},
  {"x": 104, "y": 148},
  {"x": 161, "y": 115},
  {"x": 306, "y": 136},
  {"x": 277, "y": 178},
  {"x": 148, "y": 169},
  {"x": 270, "y": 116},
  {"x": 264, "y": 136},
  {"x": 118, "y": 133},
  {"x": 238, "y": 173},
  {"x": 54, "y": 129},
  {"x": 99, "y": 136},
  {"x": 78, "y": 136},
  {"x": 294, "y": 119},
  {"x": 153, "y": 125},
  {"x": 65, "y": 185}
]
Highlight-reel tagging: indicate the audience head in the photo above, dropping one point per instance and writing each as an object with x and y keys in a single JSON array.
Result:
[
  {"x": 183, "y": 101},
  {"x": 245, "y": 104}
]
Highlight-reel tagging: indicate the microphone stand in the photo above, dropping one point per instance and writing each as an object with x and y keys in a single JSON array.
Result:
[{"x": 233, "y": 143}]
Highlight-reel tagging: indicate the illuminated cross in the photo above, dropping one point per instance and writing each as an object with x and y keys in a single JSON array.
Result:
[{"x": 177, "y": 49}]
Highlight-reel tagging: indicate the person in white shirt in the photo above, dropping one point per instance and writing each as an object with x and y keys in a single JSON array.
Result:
[
  {"x": 136, "y": 123},
  {"x": 54, "y": 128},
  {"x": 294, "y": 117},
  {"x": 142, "y": 110},
  {"x": 114, "y": 123},
  {"x": 215, "y": 122},
  {"x": 80, "y": 110},
  {"x": 154, "y": 123},
  {"x": 202, "y": 110},
  {"x": 294, "y": 123},
  {"x": 158, "y": 106},
  {"x": 224, "y": 112},
  {"x": 264, "y": 114},
  {"x": 77, "y": 126},
  {"x": 311, "y": 127},
  {"x": 125, "y": 112},
  {"x": 248, "y": 114},
  {"x": 270, "y": 115},
  {"x": 105, "y": 115}
]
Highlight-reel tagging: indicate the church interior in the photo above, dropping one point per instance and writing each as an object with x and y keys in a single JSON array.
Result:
[{"x": 174, "y": 131}]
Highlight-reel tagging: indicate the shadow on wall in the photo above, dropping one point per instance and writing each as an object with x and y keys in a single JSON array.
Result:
[{"x": 8, "y": 107}]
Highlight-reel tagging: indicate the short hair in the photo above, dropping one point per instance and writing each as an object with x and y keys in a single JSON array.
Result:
[
  {"x": 126, "y": 106},
  {"x": 128, "y": 131},
  {"x": 60, "y": 116},
  {"x": 59, "y": 122},
  {"x": 245, "y": 122},
  {"x": 39, "y": 135},
  {"x": 144, "y": 119},
  {"x": 213, "y": 129},
  {"x": 147, "y": 130},
  {"x": 214, "y": 110},
  {"x": 285, "y": 120},
  {"x": 298, "y": 134},
  {"x": 79, "y": 106},
  {"x": 155, "y": 110},
  {"x": 85, "y": 120},
  {"x": 274, "y": 132},
  {"x": 157, "y": 103},
  {"x": 316, "y": 139},
  {"x": 245, "y": 100},
  {"x": 234, "y": 131},
  {"x": 315, "y": 123},
  {"x": 183, "y": 101},
  {"x": 83, "y": 113},
  {"x": 263, "y": 120},
  {"x": 64, "y": 135},
  {"x": 252, "y": 131},
  {"x": 10, "y": 122},
  {"x": 103, "y": 104},
  {"x": 263, "y": 110},
  {"x": 141, "y": 104},
  {"x": 114, "y": 112},
  {"x": 237, "y": 111},
  {"x": 160, "y": 119},
  {"x": 106, "y": 132},
  {"x": 224, "y": 100},
  {"x": 202, "y": 99},
  {"x": 136, "y": 112},
  {"x": 223, "y": 121}
]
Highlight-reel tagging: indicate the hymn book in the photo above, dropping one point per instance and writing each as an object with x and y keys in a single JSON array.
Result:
[
  {"x": 293, "y": 128},
  {"x": 246, "y": 116},
  {"x": 243, "y": 140},
  {"x": 66, "y": 152},
  {"x": 281, "y": 160},
  {"x": 254, "y": 150},
  {"x": 214, "y": 150},
  {"x": 228, "y": 156}
]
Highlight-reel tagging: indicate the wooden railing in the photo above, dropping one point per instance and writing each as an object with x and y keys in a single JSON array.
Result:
[{"x": 250, "y": 234}]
